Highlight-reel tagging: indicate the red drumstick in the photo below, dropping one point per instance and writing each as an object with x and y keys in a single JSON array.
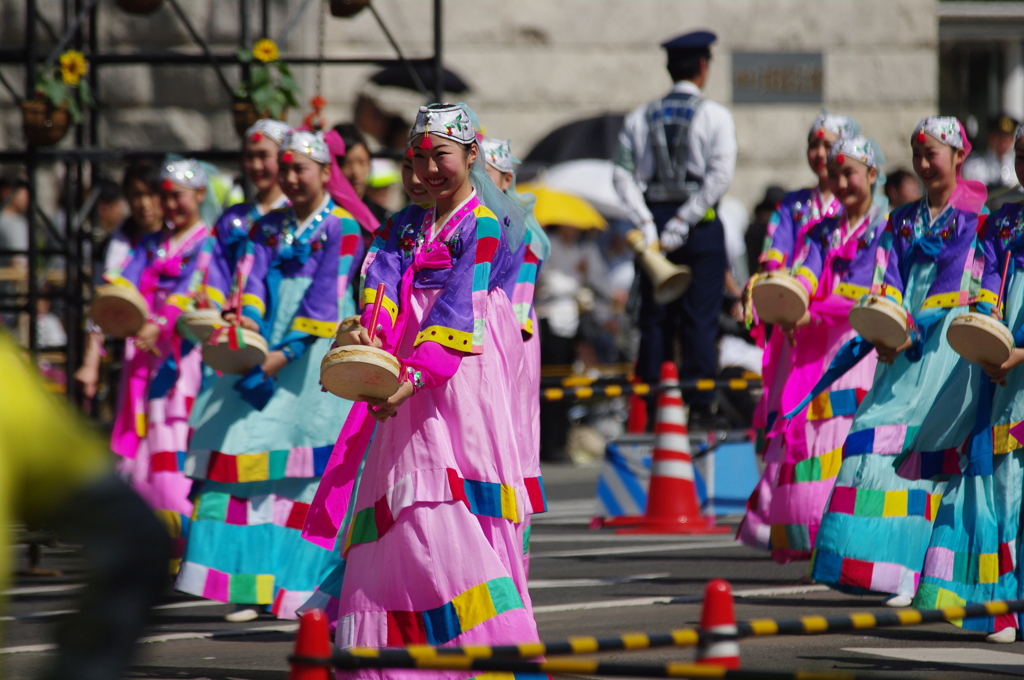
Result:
[
  {"x": 377, "y": 301},
  {"x": 1002, "y": 281}
]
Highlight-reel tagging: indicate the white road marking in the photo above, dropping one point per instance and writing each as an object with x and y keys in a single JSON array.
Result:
[
  {"x": 983, "y": 659},
  {"x": 682, "y": 599},
  {"x": 171, "y": 637},
  {"x": 38, "y": 615},
  {"x": 541, "y": 584},
  {"x": 634, "y": 549},
  {"x": 559, "y": 511},
  {"x": 36, "y": 590},
  {"x": 603, "y": 537},
  {"x": 188, "y": 604}
]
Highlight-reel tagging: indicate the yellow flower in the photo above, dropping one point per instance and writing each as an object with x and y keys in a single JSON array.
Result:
[
  {"x": 266, "y": 50},
  {"x": 72, "y": 67}
]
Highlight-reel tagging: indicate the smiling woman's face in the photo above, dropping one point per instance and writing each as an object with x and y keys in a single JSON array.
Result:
[
  {"x": 935, "y": 163},
  {"x": 413, "y": 186},
  {"x": 819, "y": 144},
  {"x": 444, "y": 167}
]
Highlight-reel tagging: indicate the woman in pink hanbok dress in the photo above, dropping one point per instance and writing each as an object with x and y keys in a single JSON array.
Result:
[
  {"x": 798, "y": 212},
  {"x": 162, "y": 372},
  {"x": 433, "y": 546},
  {"x": 836, "y": 270}
]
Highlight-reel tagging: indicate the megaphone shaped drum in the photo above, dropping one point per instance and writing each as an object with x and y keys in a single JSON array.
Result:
[
  {"x": 119, "y": 311},
  {"x": 880, "y": 321},
  {"x": 355, "y": 372},
  {"x": 218, "y": 355},
  {"x": 779, "y": 298},
  {"x": 670, "y": 280},
  {"x": 980, "y": 339}
]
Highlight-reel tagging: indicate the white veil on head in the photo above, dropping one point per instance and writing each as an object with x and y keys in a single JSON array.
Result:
[{"x": 511, "y": 213}]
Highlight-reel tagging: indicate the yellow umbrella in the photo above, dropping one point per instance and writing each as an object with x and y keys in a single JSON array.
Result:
[{"x": 562, "y": 209}]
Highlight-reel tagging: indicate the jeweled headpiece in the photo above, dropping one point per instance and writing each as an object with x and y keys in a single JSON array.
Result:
[
  {"x": 498, "y": 154},
  {"x": 185, "y": 173},
  {"x": 268, "y": 127},
  {"x": 946, "y": 129},
  {"x": 840, "y": 126},
  {"x": 309, "y": 144},
  {"x": 444, "y": 120},
  {"x": 857, "y": 147}
]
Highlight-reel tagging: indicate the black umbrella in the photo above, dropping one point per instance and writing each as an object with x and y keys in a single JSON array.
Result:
[
  {"x": 397, "y": 75},
  {"x": 588, "y": 138}
]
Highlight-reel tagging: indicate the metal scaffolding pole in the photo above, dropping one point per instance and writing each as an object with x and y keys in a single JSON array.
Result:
[
  {"x": 81, "y": 164},
  {"x": 438, "y": 48}
]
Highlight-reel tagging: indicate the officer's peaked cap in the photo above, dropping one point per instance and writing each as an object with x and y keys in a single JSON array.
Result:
[{"x": 695, "y": 40}]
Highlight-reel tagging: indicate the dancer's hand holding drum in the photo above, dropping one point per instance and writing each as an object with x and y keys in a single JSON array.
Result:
[
  {"x": 361, "y": 370},
  {"x": 147, "y": 338},
  {"x": 883, "y": 323},
  {"x": 998, "y": 373},
  {"x": 779, "y": 298}
]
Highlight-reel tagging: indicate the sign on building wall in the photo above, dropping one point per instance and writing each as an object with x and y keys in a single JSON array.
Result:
[{"x": 776, "y": 78}]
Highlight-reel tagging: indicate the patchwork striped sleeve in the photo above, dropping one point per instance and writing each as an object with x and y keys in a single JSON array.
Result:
[
  {"x": 993, "y": 254},
  {"x": 779, "y": 241},
  {"x": 383, "y": 264},
  {"x": 254, "y": 295},
  {"x": 318, "y": 312},
  {"x": 887, "y": 278},
  {"x": 526, "y": 281},
  {"x": 351, "y": 254},
  {"x": 456, "y": 320},
  {"x": 808, "y": 270}
]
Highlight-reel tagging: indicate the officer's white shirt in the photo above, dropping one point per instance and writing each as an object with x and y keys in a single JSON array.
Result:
[{"x": 712, "y": 138}]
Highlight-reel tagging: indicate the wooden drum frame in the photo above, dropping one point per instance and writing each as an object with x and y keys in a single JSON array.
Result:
[
  {"x": 880, "y": 321},
  {"x": 980, "y": 339},
  {"x": 779, "y": 298}
]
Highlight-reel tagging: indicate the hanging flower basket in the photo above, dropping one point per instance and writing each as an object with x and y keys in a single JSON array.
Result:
[
  {"x": 139, "y": 6},
  {"x": 268, "y": 92},
  {"x": 245, "y": 115},
  {"x": 61, "y": 94},
  {"x": 44, "y": 124},
  {"x": 348, "y": 8}
]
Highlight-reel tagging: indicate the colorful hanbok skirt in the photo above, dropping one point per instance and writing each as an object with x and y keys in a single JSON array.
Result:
[
  {"x": 755, "y": 529},
  {"x": 151, "y": 433},
  {"x": 259, "y": 472},
  {"x": 811, "y": 443},
  {"x": 973, "y": 554},
  {"x": 435, "y": 550},
  {"x": 878, "y": 524}
]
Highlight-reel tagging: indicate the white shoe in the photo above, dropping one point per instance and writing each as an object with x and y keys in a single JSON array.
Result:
[
  {"x": 1003, "y": 637},
  {"x": 899, "y": 601},
  {"x": 243, "y": 614}
]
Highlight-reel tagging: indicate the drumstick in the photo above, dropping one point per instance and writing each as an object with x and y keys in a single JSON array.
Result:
[
  {"x": 376, "y": 311},
  {"x": 1002, "y": 281}
]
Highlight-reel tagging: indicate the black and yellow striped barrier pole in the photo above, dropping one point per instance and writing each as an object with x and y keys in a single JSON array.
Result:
[
  {"x": 642, "y": 389},
  {"x": 690, "y": 637},
  {"x": 351, "y": 662}
]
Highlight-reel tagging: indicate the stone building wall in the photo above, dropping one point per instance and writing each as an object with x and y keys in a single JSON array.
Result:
[{"x": 535, "y": 64}]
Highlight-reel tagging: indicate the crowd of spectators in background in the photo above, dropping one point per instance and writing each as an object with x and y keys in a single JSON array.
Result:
[{"x": 585, "y": 296}]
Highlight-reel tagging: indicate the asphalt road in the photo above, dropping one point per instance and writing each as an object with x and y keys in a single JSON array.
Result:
[{"x": 583, "y": 582}]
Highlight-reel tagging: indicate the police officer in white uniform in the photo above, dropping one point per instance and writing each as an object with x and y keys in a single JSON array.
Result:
[
  {"x": 994, "y": 168},
  {"x": 675, "y": 161}
]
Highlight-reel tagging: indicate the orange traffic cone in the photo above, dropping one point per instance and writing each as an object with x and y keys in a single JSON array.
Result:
[
  {"x": 718, "y": 616},
  {"x": 672, "y": 505},
  {"x": 312, "y": 642},
  {"x": 637, "y": 422}
]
